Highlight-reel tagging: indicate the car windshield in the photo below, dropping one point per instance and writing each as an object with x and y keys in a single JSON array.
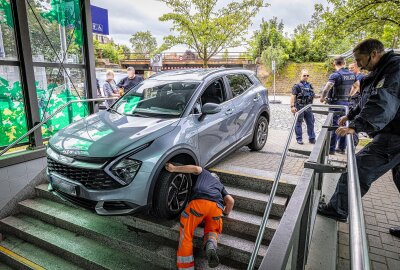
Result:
[{"x": 156, "y": 99}]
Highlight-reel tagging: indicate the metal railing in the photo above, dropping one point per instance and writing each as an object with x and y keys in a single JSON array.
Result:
[
  {"x": 293, "y": 236},
  {"x": 49, "y": 117}
]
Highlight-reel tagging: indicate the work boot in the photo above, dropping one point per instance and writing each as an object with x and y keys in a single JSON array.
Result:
[
  {"x": 330, "y": 212},
  {"x": 395, "y": 231},
  {"x": 212, "y": 257}
]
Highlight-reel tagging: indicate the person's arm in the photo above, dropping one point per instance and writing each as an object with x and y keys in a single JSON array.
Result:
[
  {"x": 121, "y": 83},
  {"x": 228, "y": 202},
  {"x": 292, "y": 104},
  {"x": 184, "y": 168},
  {"x": 293, "y": 99},
  {"x": 354, "y": 88},
  {"x": 328, "y": 86},
  {"x": 381, "y": 107}
]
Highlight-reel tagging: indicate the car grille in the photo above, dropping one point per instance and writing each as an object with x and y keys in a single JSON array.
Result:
[{"x": 91, "y": 179}]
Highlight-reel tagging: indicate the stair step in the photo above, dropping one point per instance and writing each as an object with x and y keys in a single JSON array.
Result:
[
  {"x": 33, "y": 254},
  {"x": 159, "y": 251},
  {"x": 257, "y": 201},
  {"x": 73, "y": 247},
  {"x": 4, "y": 266},
  {"x": 255, "y": 180},
  {"x": 240, "y": 222}
]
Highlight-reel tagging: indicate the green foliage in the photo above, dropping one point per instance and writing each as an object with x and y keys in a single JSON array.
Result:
[
  {"x": 274, "y": 53},
  {"x": 143, "y": 42},
  {"x": 206, "y": 30},
  {"x": 110, "y": 51}
]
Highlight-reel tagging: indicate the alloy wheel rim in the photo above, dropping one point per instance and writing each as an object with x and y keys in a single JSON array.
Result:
[
  {"x": 261, "y": 133},
  {"x": 178, "y": 192}
]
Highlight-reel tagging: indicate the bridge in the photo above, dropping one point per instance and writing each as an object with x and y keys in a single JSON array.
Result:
[{"x": 181, "y": 60}]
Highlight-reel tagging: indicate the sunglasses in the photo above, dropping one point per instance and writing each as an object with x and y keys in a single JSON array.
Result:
[{"x": 306, "y": 75}]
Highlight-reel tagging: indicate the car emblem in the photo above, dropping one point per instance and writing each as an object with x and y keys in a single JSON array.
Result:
[{"x": 65, "y": 159}]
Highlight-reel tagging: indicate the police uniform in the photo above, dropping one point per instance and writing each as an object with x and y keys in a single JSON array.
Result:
[
  {"x": 304, "y": 93},
  {"x": 206, "y": 203},
  {"x": 353, "y": 102},
  {"x": 377, "y": 114},
  {"x": 342, "y": 80}
]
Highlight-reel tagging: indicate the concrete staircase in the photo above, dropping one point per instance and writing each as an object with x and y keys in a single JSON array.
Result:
[{"x": 54, "y": 234}]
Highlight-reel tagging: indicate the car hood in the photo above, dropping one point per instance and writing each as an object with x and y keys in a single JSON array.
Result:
[{"x": 108, "y": 134}]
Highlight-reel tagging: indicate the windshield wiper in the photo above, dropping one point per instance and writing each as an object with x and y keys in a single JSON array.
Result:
[
  {"x": 114, "y": 110},
  {"x": 137, "y": 114}
]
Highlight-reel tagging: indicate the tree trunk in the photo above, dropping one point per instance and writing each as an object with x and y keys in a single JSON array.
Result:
[{"x": 205, "y": 59}]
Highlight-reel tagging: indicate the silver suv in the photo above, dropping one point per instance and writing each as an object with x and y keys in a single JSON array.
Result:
[{"x": 113, "y": 161}]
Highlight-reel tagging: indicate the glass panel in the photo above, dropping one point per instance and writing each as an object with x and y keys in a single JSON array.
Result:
[
  {"x": 54, "y": 88},
  {"x": 12, "y": 110},
  {"x": 55, "y": 28},
  {"x": 8, "y": 49}
]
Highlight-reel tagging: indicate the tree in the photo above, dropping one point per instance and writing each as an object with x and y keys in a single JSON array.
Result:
[
  {"x": 269, "y": 34},
  {"x": 200, "y": 26},
  {"x": 276, "y": 54},
  {"x": 364, "y": 18},
  {"x": 143, "y": 42}
]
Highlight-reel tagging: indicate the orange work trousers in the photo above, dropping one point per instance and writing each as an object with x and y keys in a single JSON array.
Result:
[{"x": 195, "y": 212}]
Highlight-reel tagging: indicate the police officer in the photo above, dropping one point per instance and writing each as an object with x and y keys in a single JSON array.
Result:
[
  {"x": 302, "y": 95},
  {"x": 377, "y": 114},
  {"x": 355, "y": 94},
  {"x": 337, "y": 92}
]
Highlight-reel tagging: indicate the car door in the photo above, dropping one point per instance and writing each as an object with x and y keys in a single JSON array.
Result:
[
  {"x": 216, "y": 131},
  {"x": 247, "y": 100}
]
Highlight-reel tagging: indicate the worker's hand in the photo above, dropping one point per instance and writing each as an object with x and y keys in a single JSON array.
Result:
[
  {"x": 342, "y": 120},
  {"x": 322, "y": 99},
  {"x": 169, "y": 167},
  {"x": 343, "y": 131},
  {"x": 293, "y": 109}
]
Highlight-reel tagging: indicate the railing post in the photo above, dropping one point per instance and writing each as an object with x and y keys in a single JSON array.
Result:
[{"x": 26, "y": 70}]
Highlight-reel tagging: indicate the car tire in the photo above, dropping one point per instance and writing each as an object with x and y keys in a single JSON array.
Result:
[
  {"x": 168, "y": 203},
  {"x": 260, "y": 134}
]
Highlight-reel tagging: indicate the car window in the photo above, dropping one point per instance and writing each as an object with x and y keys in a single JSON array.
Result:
[
  {"x": 214, "y": 93},
  {"x": 156, "y": 99},
  {"x": 239, "y": 83}
]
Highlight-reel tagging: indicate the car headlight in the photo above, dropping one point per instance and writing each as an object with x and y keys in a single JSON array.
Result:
[{"x": 126, "y": 169}]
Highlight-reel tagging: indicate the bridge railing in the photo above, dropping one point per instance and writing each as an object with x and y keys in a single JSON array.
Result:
[{"x": 188, "y": 56}]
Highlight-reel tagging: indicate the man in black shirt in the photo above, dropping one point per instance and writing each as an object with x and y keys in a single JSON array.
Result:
[{"x": 130, "y": 81}]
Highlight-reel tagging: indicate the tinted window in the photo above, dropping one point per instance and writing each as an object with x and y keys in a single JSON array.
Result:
[{"x": 239, "y": 83}]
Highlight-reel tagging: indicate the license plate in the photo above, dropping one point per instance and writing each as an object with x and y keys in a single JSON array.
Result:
[{"x": 63, "y": 186}]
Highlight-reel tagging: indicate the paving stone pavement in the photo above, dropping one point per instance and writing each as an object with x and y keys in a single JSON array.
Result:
[{"x": 381, "y": 204}]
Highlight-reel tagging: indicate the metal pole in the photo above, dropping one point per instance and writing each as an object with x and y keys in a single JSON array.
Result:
[
  {"x": 272, "y": 193},
  {"x": 358, "y": 238},
  {"x": 48, "y": 118}
]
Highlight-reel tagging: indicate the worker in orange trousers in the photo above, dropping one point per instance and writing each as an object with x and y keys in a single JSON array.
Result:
[{"x": 209, "y": 201}]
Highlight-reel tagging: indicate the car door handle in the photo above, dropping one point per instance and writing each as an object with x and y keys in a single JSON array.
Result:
[{"x": 229, "y": 111}]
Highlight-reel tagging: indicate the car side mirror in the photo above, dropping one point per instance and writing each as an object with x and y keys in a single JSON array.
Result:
[{"x": 209, "y": 108}]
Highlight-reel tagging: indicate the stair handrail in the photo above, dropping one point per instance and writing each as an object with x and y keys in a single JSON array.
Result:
[
  {"x": 358, "y": 238},
  {"x": 51, "y": 116}
]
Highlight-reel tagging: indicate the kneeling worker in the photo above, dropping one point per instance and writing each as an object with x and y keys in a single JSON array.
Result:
[{"x": 208, "y": 201}]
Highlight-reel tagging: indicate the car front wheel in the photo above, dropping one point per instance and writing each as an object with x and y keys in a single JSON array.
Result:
[
  {"x": 171, "y": 194},
  {"x": 260, "y": 134}
]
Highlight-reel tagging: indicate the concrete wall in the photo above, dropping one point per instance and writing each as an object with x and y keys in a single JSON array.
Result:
[{"x": 15, "y": 178}]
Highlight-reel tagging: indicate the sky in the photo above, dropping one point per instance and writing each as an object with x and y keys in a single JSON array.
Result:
[{"x": 129, "y": 16}]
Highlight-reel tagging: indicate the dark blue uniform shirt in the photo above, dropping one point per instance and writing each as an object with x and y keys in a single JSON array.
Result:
[
  {"x": 304, "y": 92},
  {"x": 208, "y": 187},
  {"x": 127, "y": 84},
  {"x": 379, "y": 108}
]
